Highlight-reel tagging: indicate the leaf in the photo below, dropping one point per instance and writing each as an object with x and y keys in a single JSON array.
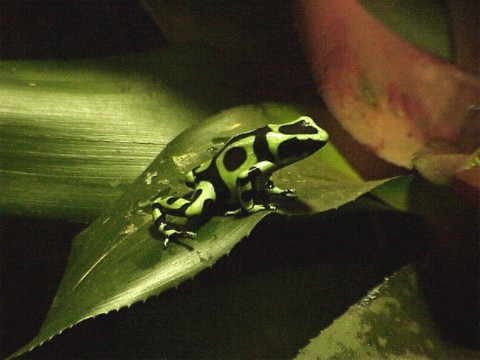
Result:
[
  {"x": 89, "y": 128},
  {"x": 391, "y": 322},
  {"x": 389, "y": 95},
  {"x": 119, "y": 259},
  {"x": 424, "y": 23},
  {"x": 444, "y": 165}
]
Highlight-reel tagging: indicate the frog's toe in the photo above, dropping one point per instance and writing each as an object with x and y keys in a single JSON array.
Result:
[
  {"x": 234, "y": 212},
  {"x": 185, "y": 234},
  {"x": 175, "y": 234},
  {"x": 258, "y": 207},
  {"x": 189, "y": 234},
  {"x": 291, "y": 193}
]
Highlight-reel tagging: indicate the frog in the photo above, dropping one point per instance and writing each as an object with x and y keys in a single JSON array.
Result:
[{"x": 240, "y": 173}]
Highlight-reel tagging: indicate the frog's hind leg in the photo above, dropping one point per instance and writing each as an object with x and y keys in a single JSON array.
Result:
[
  {"x": 173, "y": 206},
  {"x": 202, "y": 198}
]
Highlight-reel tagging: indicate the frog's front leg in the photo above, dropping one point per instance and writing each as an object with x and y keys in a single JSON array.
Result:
[
  {"x": 246, "y": 188},
  {"x": 202, "y": 198},
  {"x": 272, "y": 189}
]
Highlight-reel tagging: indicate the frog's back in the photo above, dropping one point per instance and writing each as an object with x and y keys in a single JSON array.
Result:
[{"x": 239, "y": 154}]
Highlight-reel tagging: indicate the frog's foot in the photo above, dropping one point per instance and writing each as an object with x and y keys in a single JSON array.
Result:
[
  {"x": 275, "y": 190},
  {"x": 234, "y": 212},
  {"x": 251, "y": 210},
  {"x": 290, "y": 193},
  {"x": 172, "y": 235}
]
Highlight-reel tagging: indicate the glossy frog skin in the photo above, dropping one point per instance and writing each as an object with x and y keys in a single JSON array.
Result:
[{"x": 235, "y": 177}]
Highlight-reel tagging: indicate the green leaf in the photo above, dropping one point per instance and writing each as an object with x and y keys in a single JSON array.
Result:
[
  {"x": 396, "y": 193},
  {"x": 75, "y": 134},
  {"x": 119, "y": 259},
  {"x": 391, "y": 322},
  {"x": 441, "y": 163},
  {"x": 424, "y": 23}
]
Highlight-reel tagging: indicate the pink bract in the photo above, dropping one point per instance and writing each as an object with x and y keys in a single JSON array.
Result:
[{"x": 390, "y": 95}]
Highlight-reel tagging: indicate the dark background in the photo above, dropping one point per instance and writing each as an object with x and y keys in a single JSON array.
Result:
[{"x": 43, "y": 29}]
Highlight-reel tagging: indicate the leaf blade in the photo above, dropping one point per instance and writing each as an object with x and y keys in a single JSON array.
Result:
[
  {"x": 119, "y": 260},
  {"x": 392, "y": 320},
  {"x": 91, "y": 127}
]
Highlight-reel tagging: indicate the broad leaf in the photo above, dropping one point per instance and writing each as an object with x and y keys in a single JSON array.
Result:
[
  {"x": 388, "y": 94},
  {"x": 424, "y": 23},
  {"x": 391, "y": 322},
  {"x": 90, "y": 127},
  {"x": 444, "y": 165},
  {"x": 119, "y": 259}
]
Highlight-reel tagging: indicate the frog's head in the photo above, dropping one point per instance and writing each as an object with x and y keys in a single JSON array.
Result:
[{"x": 293, "y": 141}]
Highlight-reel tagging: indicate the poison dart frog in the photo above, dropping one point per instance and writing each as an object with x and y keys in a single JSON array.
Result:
[{"x": 241, "y": 171}]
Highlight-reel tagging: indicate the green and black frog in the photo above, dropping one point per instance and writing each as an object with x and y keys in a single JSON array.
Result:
[{"x": 231, "y": 182}]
